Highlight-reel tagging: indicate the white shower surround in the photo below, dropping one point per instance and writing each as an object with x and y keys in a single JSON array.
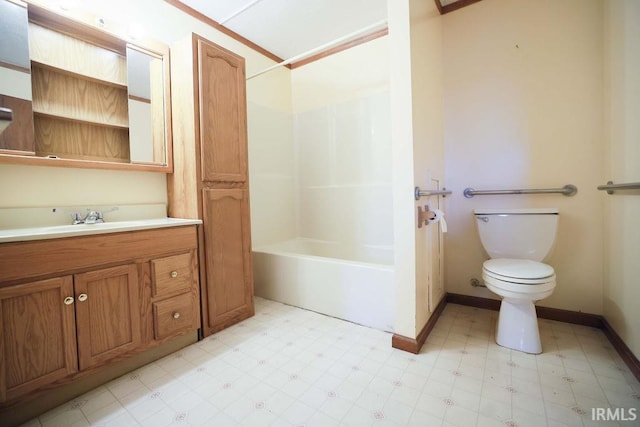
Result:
[
  {"x": 326, "y": 233},
  {"x": 343, "y": 172},
  {"x": 354, "y": 283}
]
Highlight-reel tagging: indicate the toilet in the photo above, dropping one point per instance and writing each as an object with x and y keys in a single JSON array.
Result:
[{"x": 517, "y": 241}]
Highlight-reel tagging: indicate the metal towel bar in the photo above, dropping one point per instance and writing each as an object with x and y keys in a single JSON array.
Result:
[
  {"x": 610, "y": 187},
  {"x": 417, "y": 193},
  {"x": 567, "y": 190}
]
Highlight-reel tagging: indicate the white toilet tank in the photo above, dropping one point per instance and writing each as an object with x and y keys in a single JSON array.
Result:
[{"x": 517, "y": 233}]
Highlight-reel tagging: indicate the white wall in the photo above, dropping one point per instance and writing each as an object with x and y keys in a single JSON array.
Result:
[
  {"x": 402, "y": 156},
  {"x": 343, "y": 147},
  {"x": 523, "y": 109},
  {"x": 271, "y": 155},
  {"x": 271, "y": 174},
  {"x": 31, "y": 186},
  {"x": 415, "y": 52},
  {"x": 622, "y": 136}
]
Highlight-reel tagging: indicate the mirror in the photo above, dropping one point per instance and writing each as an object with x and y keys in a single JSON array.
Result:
[
  {"x": 97, "y": 100},
  {"x": 145, "y": 79}
]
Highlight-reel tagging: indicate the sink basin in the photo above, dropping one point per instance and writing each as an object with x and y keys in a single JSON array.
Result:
[{"x": 58, "y": 231}]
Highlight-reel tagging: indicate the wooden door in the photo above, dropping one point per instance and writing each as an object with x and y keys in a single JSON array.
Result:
[
  {"x": 228, "y": 286},
  {"x": 223, "y": 114},
  {"x": 37, "y": 328},
  {"x": 108, "y": 314}
]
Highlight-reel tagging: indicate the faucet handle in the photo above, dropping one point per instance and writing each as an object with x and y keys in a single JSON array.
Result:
[
  {"x": 75, "y": 216},
  {"x": 100, "y": 214}
]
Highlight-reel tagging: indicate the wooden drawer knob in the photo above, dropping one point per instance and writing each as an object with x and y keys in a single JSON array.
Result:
[
  {"x": 68, "y": 300},
  {"x": 174, "y": 274},
  {"x": 176, "y": 315}
]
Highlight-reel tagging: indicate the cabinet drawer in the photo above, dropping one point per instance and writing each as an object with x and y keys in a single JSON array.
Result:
[
  {"x": 172, "y": 274},
  {"x": 174, "y": 315}
]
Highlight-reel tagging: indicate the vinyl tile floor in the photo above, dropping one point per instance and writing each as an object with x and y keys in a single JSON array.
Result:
[{"x": 291, "y": 367}]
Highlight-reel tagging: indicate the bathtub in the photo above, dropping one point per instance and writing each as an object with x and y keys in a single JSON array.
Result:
[{"x": 350, "y": 283}]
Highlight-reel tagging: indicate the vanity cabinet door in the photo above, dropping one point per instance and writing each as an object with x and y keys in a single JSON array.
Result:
[
  {"x": 108, "y": 314},
  {"x": 228, "y": 296},
  {"x": 223, "y": 114},
  {"x": 38, "y": 332}
]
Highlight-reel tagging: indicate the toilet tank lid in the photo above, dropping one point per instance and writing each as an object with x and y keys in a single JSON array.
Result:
[{"x": 528, "y": 211}]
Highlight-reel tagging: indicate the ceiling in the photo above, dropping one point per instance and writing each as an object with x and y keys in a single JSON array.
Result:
[{"x": 288, "y": 28}]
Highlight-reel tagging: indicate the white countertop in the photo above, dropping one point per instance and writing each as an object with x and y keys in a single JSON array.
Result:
[{"x": 57, "y": 231}]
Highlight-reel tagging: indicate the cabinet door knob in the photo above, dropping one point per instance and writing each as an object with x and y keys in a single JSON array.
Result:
[
  {"x": 176, "y": 315},
  {"x": 82, "y": 297},
  {"x": 68, "y": 300},
  {"x": 174, "y": 274}
]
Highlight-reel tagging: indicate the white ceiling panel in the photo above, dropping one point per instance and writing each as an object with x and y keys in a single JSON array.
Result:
[
  {"x": 288, "y": 28},
  {"x": 217, "y": 9}
]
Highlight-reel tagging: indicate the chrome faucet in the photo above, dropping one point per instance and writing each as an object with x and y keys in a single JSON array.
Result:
[{"x": 93, "y": 217}]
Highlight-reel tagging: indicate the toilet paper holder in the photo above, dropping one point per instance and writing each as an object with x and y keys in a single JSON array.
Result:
[
  {"x": 427, "y": 216},
  {"x": 424, "y": 215}
]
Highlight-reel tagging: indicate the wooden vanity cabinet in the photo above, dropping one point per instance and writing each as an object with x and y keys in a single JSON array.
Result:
[
  {"x": 71, "y": 306},
  {"x": 175, "y": 301},
  {"x": 39, "y": 336},
  {"x": 210, "y": 179},
  {"x": 107, "y": 313}
]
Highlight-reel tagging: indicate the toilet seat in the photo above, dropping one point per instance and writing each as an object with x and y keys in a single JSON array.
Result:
[
  {"x": 519, "y": 271},
  {"x": 519, "y": 278}
]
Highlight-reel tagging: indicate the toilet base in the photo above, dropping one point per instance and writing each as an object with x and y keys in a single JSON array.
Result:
[{"x": 517, "y": 327}]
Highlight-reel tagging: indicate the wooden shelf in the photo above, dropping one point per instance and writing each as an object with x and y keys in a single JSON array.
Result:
[
  {"x": 78, "y": 100},
  {"x": 64, "y": 71},
  {"x": 75, "y": 140},
  {"x": 76, "y": 56},
  {"x": 37, "y": 113}
]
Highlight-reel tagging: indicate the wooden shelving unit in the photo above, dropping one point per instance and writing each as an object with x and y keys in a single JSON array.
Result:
[
  {"x": 80, "y": 98},
  {"x": 87, "y": 95}
]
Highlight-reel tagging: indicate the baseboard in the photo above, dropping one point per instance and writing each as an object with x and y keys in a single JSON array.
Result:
[
  {"x": 471, "y": 301},
  {"x": 567, "y": 316},
  {"x": 413, "y": 345},
  {"x": 575, "y": 317},
  {"x": 623, "y": 350},
  {"x": 405, "y": 343}
]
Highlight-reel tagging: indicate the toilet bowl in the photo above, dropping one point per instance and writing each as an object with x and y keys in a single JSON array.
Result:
[
  {"x": 517, "y": 241},
  {"x": 520, "y": 283}
]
